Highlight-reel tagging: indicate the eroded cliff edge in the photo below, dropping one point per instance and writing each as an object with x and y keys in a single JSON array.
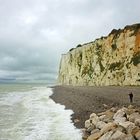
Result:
[{"x": 111, "y": 60}]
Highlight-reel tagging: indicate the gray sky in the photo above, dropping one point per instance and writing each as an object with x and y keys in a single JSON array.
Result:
[{"x": 34, "y": 33}]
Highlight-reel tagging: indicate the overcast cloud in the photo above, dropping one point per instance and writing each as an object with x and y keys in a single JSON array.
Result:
[{"x": 34, "y": 33}]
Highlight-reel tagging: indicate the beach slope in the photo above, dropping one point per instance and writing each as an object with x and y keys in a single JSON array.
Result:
[{"x": 86, "y": 100}]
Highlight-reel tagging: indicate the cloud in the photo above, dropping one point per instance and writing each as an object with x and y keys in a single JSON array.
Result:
[{"x": 34, "y": 34}]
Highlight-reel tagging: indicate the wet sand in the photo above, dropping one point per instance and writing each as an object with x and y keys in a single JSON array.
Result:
[{"x": 86, "y": 100}]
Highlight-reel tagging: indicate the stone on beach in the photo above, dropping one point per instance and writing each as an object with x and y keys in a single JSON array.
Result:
[
  {"x": 123, "y": 124},
  {"x": 90, "y": 128},
  {"x": 106, "y": 116},
  {"x": 137, "y": 122},
  {"x": 100, "y": 124},
  {"x": 94, "y": 136},
  {"x": 108, "y": 127},
  {"x": 137, "y": 135},
  {"x": 94, "y": 118},
  {"x": 134, "y": 116},
  {"x": 111, "y": 135},
  {"x": 87, "y": 124},
  {"x": 120, "y": 116},
  {"x": 129, "y": 126}
]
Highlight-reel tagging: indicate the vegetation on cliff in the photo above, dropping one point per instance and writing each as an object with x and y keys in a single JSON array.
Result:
[{"x": 110, "y": 60}]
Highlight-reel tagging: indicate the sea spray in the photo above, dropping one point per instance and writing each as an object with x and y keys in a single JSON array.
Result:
[{"x": 32, "y": 115}]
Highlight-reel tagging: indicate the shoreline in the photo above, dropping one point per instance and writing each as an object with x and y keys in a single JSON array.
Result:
[{"x": 86, "y": 100}]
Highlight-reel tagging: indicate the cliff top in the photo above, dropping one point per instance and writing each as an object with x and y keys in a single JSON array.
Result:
[{"x": 114, "y": 32}]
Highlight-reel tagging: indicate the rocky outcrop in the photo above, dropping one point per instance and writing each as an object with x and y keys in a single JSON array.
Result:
[
  {"x": 123, "y": 125},
  {"x": 111, "y": 60}
]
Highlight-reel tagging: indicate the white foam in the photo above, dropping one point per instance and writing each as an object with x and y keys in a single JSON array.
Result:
[{"x": 40, "y": 119}]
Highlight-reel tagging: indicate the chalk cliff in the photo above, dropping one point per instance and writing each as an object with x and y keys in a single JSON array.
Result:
[{"x": 111, "y": 60}]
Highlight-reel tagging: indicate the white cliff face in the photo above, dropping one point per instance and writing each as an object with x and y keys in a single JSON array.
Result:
[{"x": 111, "y": 60}]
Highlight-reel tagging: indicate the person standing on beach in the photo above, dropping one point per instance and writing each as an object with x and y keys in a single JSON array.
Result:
[{"x": 131, "y": 97}]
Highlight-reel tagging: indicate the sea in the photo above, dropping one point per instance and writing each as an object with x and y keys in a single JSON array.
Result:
[{"x": 28, "y": 113}]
